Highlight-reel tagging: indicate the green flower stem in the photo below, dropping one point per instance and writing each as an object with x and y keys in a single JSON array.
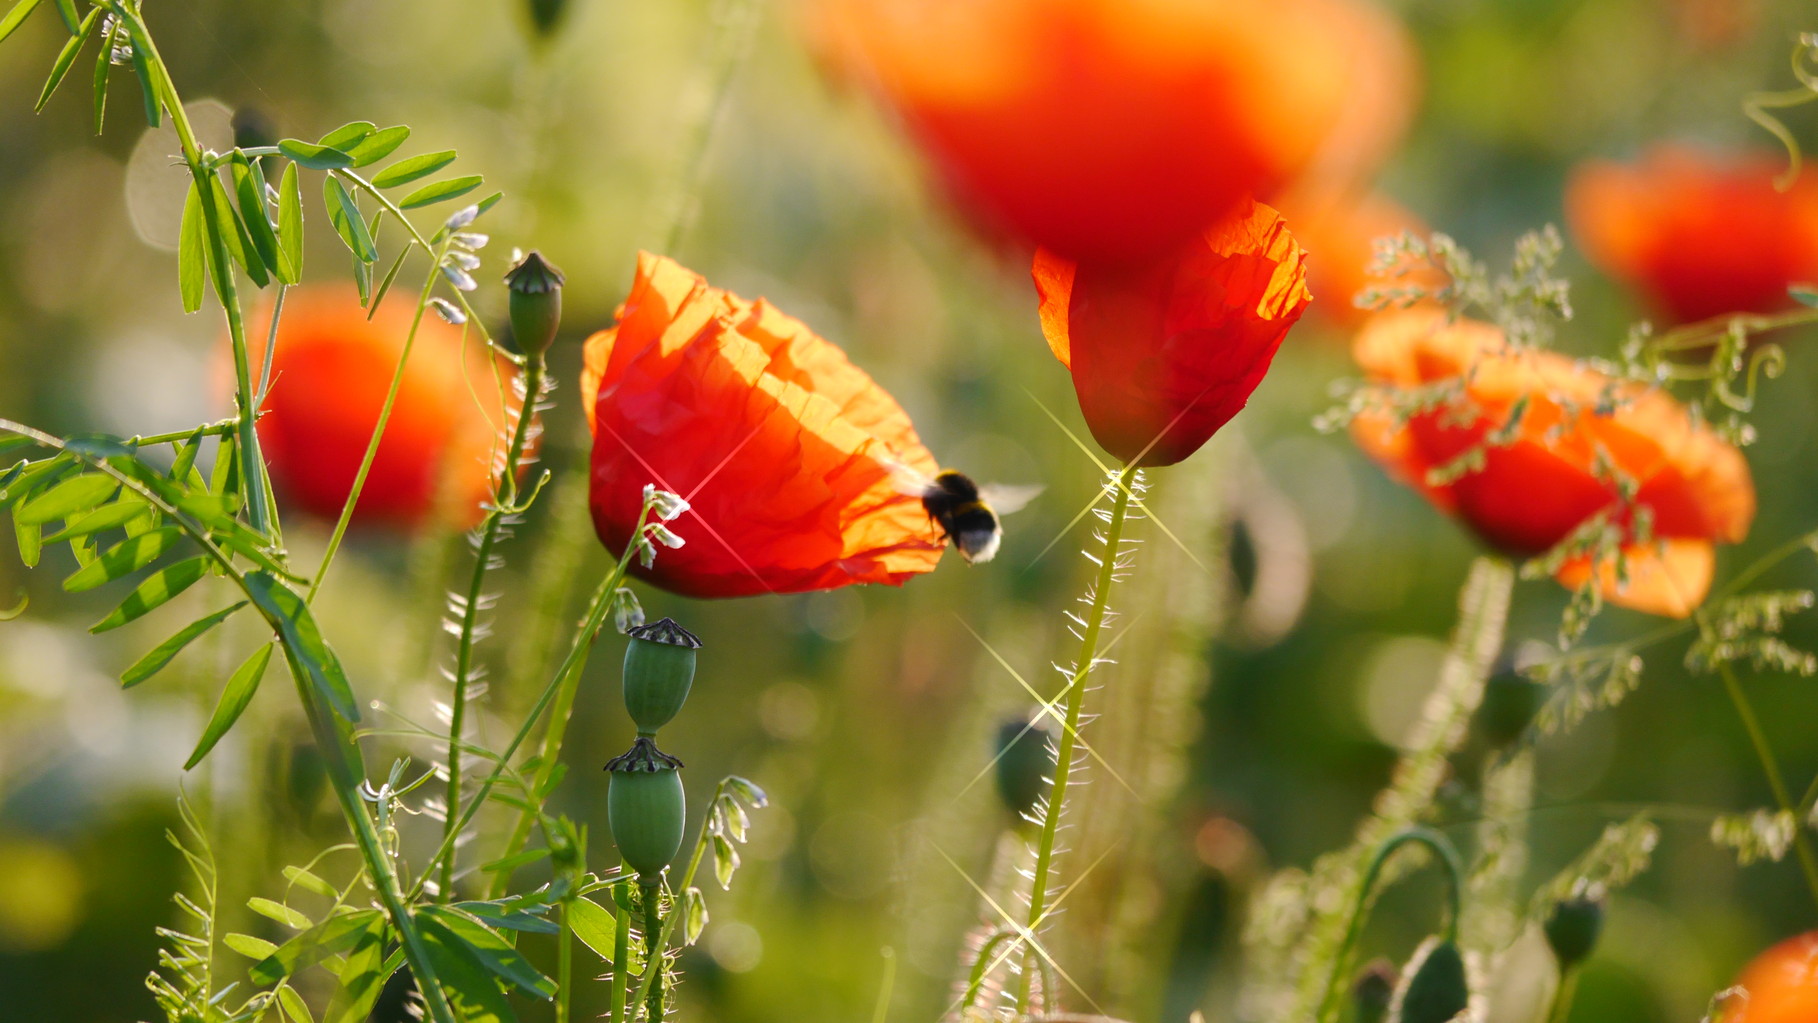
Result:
[
  {"x": 1076, "y": 698},
  {"x": 504, "y": 498},
  {"x": 1561, "y": 1007},
  {"x": 621, "y": 955},
  {"x": 1360, "y": 910},
  {"x": 560, "y": 690},
  {"x": 564, "y": 966},
  {"x": 663, "y": 934},
  {"x": 656, "y": 936},
  {"x": 378, "y": 431},
  {"x": 216, "y": 429},
  {"x": 1802, "y": 845}
]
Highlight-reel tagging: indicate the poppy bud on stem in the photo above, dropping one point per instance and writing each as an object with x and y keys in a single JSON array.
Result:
[
  {"x": 1438, "y": 988},
  {"x": 536, "y": 303},
  {"x": 1572, "y": 930}
]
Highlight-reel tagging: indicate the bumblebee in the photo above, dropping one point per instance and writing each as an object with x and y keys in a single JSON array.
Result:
[{"x": 966, "y": 513}]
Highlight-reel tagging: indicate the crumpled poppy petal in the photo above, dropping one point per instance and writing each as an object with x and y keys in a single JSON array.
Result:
[{"x": 1669, "y": 579}]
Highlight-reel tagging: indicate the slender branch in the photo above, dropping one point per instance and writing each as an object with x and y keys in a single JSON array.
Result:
[
  {"x": 1561, "y": 1008},
  {"x": 1802, "y": 845},
  {"x": 1076, "y": 698},
  {"x": 621, "y": 955}
]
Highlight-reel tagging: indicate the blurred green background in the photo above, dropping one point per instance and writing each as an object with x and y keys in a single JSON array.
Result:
[{"x": 866, "y": 714}]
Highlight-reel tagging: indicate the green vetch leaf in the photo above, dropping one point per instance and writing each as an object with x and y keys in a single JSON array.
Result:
[
  {"x": 290, "y": 226},
  {"x": 287, "y": 613},
  {"x": 30, "y": 541},
  {"x": 594, "y": 925},
  {"x": 147, "y": 75},
  {"x": 476, "y": 995},
  {"x": 71, "y": 19},
  {"x": 99, "y": 445},
  {"x": 502, "y": 915},
  {"x": 21, "y": 484},
  {"x": 441, "y": 191},
  {"x": 410, "y": 169},
  {"x": 489, "y": 948},
  {"x": 124, "y": 558},
  {"x": 234, "y": 236},
  {"x": 345, "y": 215},
  {"x": 157, "y": 588},
  {"x": 234, "y": 698},
  {"x": 182, "y": 469},
  {"x": 694, "y": 915},
  {"x": 346, "y": 136},
  {"x": 378, "y": 145},
  {"x": 274, "y": 910},
  {"x": 108, "y": 516},
  {"x": 104, "y": 66},
  {"x": 16, "y": 17},
  {"x": 67, "y": 498},
  {"x": 293, "y": 1006},
  {"x": 390, "y": 275},
  {"x": 249, "y": 188},
  {"x": 362, "y": 275},
  {"x": 67, "y": 58},
  {"x": 249, "y": 946},
  {"x": 14, "y": 442},
  {"x": 313, "y": 156},
  {"x": 153, "y": 662},
  {"x": 362, "y": 977},
  {"x": 515, "y": 860},
  {"x": 192, "y": 251},
  {"x": 332, "y": 936},
  {"x": 309, "y": 882}
]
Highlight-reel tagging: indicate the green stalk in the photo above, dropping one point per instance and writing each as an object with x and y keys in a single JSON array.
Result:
[
  {"x": 564, "y": 966},
  {"x": 694, "y": 864},
  {"x": 621, "y": 954},
  {"x": 1360, "y": 908},
  {"x": 1802, "y": 845},
  {"x": 1076, "y": 698},
  {"x": 504, "y": 497},
  {"x": 1561, "y": 1008},
  {"x": 654, "y": 932}
]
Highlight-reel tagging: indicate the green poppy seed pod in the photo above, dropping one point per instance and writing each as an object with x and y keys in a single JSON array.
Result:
[
  {"x": 1025, "y": 761},
  {"x": 659, "y": 668},
  {"x": 536, "y": 303},
  {"x": 1573, "y": 927},
  {"x": 1437, "y": 989},
  {"x": 645, "y": 810},
  {"x": 1372, "y": 992},
  {"x": 1509, "y": 705}
]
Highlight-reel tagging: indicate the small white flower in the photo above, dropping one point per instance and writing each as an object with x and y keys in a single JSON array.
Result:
[
  {"x": 665, "y": 504},
  {"x": 472, "y": 240},
  {"x": 662, "y": 535},
  {"x": 462, "y": 218},
  {"x": 448, "y": 311},
  {"x": 464, "y": 260},
  {"x": 646, "y": 553},
  {"x": 459, "y": 278}
]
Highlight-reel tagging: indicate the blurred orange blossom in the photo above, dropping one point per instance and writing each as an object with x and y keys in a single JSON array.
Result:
[
  {"x": 331, "y": 369},
  {"x": 783, "y": 448},
  {"x": 1166, "y": 351},
  {"x": 1698, "y": 235},
  {"x": 1116, "y": 129},
  {"x": 1780, "y": 985},
  {"x": 1532, "y": 493}
]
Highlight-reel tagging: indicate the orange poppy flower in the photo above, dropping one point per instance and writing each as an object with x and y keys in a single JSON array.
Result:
[
  {"x": 1339, "y": 232},
  {"x": 783, "y": 448},
  {"x": 329, "y": 376},
  {"x": 1781, "y": 985},
  {"x": 1165, "y": 352},
  {"x": 1115, "y": 129},
  {"x": 1697, "y": 235},
  {"x": 1529, "y": 495}
]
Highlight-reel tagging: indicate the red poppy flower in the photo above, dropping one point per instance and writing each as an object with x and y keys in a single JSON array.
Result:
[
  {"x": 782, "y": 447},
  {"x": 1781, "y": 985},
  {"x": 1339, "y": 231},
  {"x": 1530, "y": 495},
  {"x": 330, "y": 372},
  {"x": 1165, "y": 352},
  {"x": 1698, "y": 236},
  {"x": 1116, "y": 129}
]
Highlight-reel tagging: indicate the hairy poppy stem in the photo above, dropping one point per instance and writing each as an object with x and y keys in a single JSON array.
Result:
[
  {"x": 1063, "y": 765},
  {"x": 1802, "y": 846},
  {"x": 504, "y": 497},
  {"x": 621, "y": 955}
]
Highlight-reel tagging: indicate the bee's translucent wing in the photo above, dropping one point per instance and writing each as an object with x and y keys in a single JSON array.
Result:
[
  {"x": 1006, "y": 499},
  {"x": 907, "y": 480}
]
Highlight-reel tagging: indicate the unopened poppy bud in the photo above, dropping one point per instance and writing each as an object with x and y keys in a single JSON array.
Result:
[
  {"x": 645, "y": 810},
  {"x": 1509, "y": 705},
  {"x": 1573, "y": 927},
  {"x": 659, "y": 669},
  {"x": 1372, "y": 992},
  {"x": 1437, "y": 988},
  {"x": 536, "y": 303},
  {"x": 1025, "y": 760}
]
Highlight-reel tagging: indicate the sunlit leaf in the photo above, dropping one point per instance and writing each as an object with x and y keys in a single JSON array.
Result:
[
  {"x": 15, "y": 17},
  {"x": 30, "y": 542},
  {"x": 249, "y": 946},
  {"x": 305, "y": 880},
  {"x": 277, "y": 910},
  {"x": 594, "y": 925},
  {"x": 234, "y": 698},
  {"x": 694, "y": 915},
  {"x": 108, "y": 516},
  {"x": 71, "y": 19},
  {"x": 124, "y": 558},
  {"x": 67, "y": 58},
  {"x": 405, "y": 171},
  {"x": 346, "y": 136},
  {"x": 166, "y": 651},
  {"x": 362, "y": 978},
  {"x": 378, "y": 145},
  {"x": 234, "y": 236},
  {"x": 489, "y": 948},
  {"x": 290, "y": 227},
  {"x": 147, "y": 74},
  {"x": 157, "y": 588},
  {"x": 192, "y": 251},
  {"x": 470, "y": 987},
  {"x": 725, "y": 860},
  {"x": 249, "y": 188},
  {"x": 390, "y": 275},
  {"x": 501, "y": 915},
  {"x": 441, "y": 191},
  {"x": 291, "y": 616},
  {"x": 515, "y": 860},
  {"x": 293, "y": 1006},
  {"x": 345, "y": 215},
  {"x": 332, "y": 936},
  {"x": 67, "y": 498},
  {"x": 104, "y": 66},
  {"x": 313, "y": 156}
]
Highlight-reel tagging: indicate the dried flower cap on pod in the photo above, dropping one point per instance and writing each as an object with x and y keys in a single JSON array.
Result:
[
  {"x": 659, "y": 670},
  {"x": 1437, "y": 988},
  {"x": 536, "y": 302},
  {"x": 1573, "y": 926}
]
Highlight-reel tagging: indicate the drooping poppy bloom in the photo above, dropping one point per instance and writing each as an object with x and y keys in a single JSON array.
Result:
[
  {"x": 786, "y": 451},
  {"x": 1779, "y": 986},
  {"x": 1165, "y": 352},
  {"x": 330, "y": 372},
  {"x": 1339, "y": 230},
  {"x": 1697, "y": 235},
  {"x": 1116, "y": 129},
  {"x": 1531, "y": 494}
]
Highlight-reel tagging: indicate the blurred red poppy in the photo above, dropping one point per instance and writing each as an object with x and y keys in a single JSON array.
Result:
[
  {"x": 1165, "y": 352},
  {"x": 1698, "y": 235},
  {"x": 1339, "y": 230},
  {"x": 330, "y": 372},
  {"x": 782, "y": 447},
  {"x": 1530, "y": 495},
  {"x": 1780, "y": 986},
  {"x": 1116, "y": 129}
]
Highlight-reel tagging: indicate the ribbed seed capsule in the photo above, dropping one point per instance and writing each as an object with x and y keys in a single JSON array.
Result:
[
  {"x": 659, "y": 669},
  {"x": 645, "y": 810},
  {"x": 1438, "y": 989}
]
